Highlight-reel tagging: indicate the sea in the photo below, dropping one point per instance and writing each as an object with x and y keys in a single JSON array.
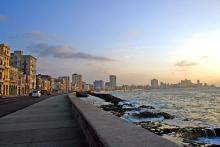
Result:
[
  {"x": 199, "y": 106},
  {"x": 191, "y": 107}
]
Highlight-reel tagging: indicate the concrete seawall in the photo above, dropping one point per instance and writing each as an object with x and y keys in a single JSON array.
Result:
[{"x": 102, "y": 129}]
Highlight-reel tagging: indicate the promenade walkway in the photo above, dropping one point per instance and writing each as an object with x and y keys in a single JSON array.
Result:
[{"x": 44, "y": 124}]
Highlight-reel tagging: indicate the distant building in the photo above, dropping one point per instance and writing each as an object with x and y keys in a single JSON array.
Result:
[
  {"x": 86, "y": 87},
  {"x": 112, "y": 80},
  {"x": 108, "y": 86},
  {"x": 27, "y": 64},
  {"x": 44, "y": 82},
  {"x": 4, "y": 67},
  {"x": 57, "y": 85},
  {"x": 185, "y": 84},
  {"x": 154, "y": 83},
  {"x": 99, "y": 85},
  {"x": 66, "y": 83},
  {"x": 76, "y": 82}
]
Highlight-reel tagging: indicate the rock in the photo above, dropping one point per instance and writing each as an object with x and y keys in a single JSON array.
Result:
[
  {"x": 111, "y": 107},
  {"x": 147, "y": 114},
  {"x": 186, "y": 119},
  {"x": 217, "y": 131},
  {"x": 131, "y": 109},
  {"x": 107, "y": 98},
  {"x": 147, "y": 107},
  {"x": 192, "y": 133}
]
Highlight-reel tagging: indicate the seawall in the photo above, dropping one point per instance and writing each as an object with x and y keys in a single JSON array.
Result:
[{"x": 102, "y": 129}]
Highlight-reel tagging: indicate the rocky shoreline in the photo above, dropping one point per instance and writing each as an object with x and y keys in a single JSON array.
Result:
[{"x": 149, "y": 118}]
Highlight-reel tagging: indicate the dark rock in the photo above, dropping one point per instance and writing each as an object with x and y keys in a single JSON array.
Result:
[
  {"x": 131, "y": 109},
  {"x": 217, "y": 131},
  {"x": 147, "y": 107},
  {"x": 210, "y": 132},
  {"x": 192, "y": 133},
  {"x": 115, "y": 108},
  {"x": 186, "y": 119},
  {"x": 107, "y": 97},
  {"x": 147, "y": 114},
  {"x": 128, "y": 105}
]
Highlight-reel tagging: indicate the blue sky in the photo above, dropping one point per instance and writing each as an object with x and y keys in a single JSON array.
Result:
[{"x": 135, "y": 39}]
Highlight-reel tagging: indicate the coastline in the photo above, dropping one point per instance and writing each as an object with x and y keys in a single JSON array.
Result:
[{"x": 154, "y": 121}]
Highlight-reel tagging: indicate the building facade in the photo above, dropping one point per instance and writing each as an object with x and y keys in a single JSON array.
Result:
[
  {"x": 66, "y": 83},
  {"x": 44, "y": 82},
  {"x": 76, "y": 82},
  {"x": 57, "y": 85},
  {"x": 27, "y": 64},
  {"x": 154, "y": 83},
  {"x": 14, "y": 79},
  {"x": 99, "y": 85},
  {"x": 112, "y": 80},
  {"x": 5, "y": 55}
]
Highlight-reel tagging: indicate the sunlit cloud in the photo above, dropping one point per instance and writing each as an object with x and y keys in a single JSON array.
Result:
[
  {"x": 184, "y": 63},
  {"x": 64, "y": 51}
]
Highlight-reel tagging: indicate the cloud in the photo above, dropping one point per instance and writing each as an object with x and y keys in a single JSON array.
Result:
[
  {"x": 3, "y": 18},
  {"x": 184, "y": 63},
  {"x": 63, "y": 51},
  {"x": 38, "y": 36}
]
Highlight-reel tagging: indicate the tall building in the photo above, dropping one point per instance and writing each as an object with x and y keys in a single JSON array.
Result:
[
  {"x": 44, "y": 82},
  {"x": 27, "y": 64},
  {"x": 57, "y": 85},
  {"x": 154, "y": 83},
  {"x": 86, "y": 87},
  {"x": 14, "y": 79},
  {"x": 185, "y": 83},
  {"x": 76, "y": 82},
  {"x": 66, "y": 83},
  {"x": 112, "y": 80},
  {"x": 4, "y": 67},
  {"x": 99, "y": 85}
]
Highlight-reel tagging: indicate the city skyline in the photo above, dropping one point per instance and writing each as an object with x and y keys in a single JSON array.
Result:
[{"x": 137, "y": 41}]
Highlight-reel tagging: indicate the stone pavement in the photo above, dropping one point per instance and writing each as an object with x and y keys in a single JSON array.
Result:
[{"x": 49, "y": 123}]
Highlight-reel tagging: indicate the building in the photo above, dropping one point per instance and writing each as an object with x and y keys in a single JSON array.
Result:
[
  {"x": 27, "y": 64},
  {"x": 108, "y": 86},
  {"x": 57, "y": 85},
  {"x": 2, "y": 67},
  {"x": 65, "y": 80},
  {"x": 5, "y": 59},
  {"x": 44, "y": 82},
  {"x": 76, "y": 82},
  {"x": 14, "y": 79},
  {"x": 86, "y": 87},
  {"x": 112, "y": 80},
  {"x": 154, "y": 83},
  {"x": 185, "y": 84},
  {"x": 99, "y": 85}
]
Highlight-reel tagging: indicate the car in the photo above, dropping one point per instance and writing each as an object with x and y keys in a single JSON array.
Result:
[
  {"x": 81, "y": 94},
  {"x": 36, "y": 93}
]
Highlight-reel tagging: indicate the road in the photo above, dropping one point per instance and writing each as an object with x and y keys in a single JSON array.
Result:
[
  {"x": 11, "y": 104},
  {"x": 49, "y": 123}
]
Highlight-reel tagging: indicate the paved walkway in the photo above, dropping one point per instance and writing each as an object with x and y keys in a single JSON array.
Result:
[{"x": 49, "y": 123}]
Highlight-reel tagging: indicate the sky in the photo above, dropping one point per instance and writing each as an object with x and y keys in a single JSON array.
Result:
[{"x": 137, "y": 40}]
